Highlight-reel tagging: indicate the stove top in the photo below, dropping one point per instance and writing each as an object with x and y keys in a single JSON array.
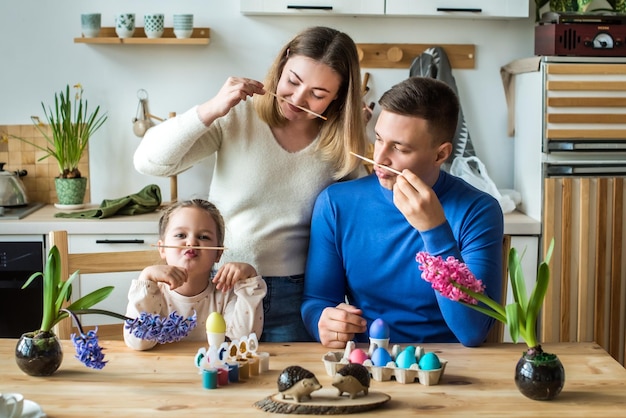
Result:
[{"x": 18, "y": 212}]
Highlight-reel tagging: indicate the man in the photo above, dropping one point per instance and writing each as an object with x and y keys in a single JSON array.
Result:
[{"x": 365, "y": 233}]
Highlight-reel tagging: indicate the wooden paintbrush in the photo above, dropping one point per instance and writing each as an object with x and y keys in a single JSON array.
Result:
[
  {"x": 190, "y": 247},
  {"x": 299, "y": 107},
  {"x": 375, "y": 163}
]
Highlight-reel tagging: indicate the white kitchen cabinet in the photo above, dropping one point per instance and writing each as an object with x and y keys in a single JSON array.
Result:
[
  {"x": 468, "y": 9},
  {"x": 313, "y": 7},
  {"x": 87, "y": 283}
]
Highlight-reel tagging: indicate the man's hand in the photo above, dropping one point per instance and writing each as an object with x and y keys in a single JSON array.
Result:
[
  {"x": 338, "y": 325},
  {"x": 417, "y": 201}
]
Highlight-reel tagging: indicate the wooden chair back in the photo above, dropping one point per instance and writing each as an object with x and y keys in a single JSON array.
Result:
[
  {"x": 496, "y": 335},
  {"x": 100, "y": 262}
]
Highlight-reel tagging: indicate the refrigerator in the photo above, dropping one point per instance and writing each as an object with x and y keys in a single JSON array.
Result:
[{"x": 569, "y": 167}]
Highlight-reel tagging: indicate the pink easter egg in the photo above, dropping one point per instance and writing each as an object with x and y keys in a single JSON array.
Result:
[{"x": 357, "y": 356}]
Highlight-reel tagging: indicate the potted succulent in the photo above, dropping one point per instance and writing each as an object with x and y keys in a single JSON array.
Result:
[
  {"x": 39, "y": 353},
  {"x": 71, "y": 125},
  {"x": 539, "y": 375},
  {"x": 618, "y": 6}
]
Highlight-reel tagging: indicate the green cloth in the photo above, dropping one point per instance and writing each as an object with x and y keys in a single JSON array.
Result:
[{"x": 147, "y": 200}]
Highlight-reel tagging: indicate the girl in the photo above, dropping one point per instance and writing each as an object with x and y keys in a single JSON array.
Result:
[{"x": 187, "y": 282}]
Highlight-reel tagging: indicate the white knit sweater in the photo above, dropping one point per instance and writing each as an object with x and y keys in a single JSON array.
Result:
[{"x": 265, "y": 193}]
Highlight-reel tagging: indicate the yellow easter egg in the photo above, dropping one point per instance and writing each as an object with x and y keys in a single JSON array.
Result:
[{"x": 215, "y": 323}]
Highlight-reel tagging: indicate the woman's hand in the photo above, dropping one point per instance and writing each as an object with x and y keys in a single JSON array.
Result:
[
  {"x": 234, "y": 90},
  {"x": 230, "y": 273}
]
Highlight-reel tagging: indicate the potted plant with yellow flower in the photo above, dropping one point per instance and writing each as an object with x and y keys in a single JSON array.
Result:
[
  {"x": 70, "y": 126},
  {"x": 538, "y": 375},
  {"x": 39, "y": 353}
]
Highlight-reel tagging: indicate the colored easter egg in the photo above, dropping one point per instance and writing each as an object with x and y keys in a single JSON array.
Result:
[
  {"x": 429, "y": 361},
  {"x": 357, "y": 356},
  {"x": 406, "y": 357},
  {"x": 380, "y": 357},
  {"x": 215, "y": 323},
  {"x": 379, "y": 329}
]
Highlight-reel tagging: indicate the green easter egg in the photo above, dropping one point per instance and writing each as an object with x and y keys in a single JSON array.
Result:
[{"x": 429, "y": 361}]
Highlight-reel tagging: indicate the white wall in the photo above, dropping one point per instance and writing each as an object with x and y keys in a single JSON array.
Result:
[{"x": 39, "y": 58}]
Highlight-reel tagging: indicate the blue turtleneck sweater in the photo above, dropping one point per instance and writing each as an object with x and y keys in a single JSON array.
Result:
[{"x": 364, "y": 249}]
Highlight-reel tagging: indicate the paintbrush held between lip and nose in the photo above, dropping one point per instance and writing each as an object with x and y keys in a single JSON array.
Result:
[
  {"x": 189, "y": 247},
  {"x": 299, "y": 107},
  {"x": 375, "y": 163}
]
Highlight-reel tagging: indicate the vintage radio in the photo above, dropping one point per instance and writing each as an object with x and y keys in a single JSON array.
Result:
[{"x": 581, "y": 34}]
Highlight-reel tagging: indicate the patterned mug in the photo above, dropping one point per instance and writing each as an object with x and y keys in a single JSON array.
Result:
[
  {"x": 154, "y": 25},
  {"x": 125, "y": 25}
]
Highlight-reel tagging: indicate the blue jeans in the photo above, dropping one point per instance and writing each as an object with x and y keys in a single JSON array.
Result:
[{"x": 281, "y": 306}]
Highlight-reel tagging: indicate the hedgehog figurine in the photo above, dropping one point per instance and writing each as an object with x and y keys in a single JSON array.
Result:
[
  {"x": 352, "y": 379},
  {"x": 297, "y": 382}
]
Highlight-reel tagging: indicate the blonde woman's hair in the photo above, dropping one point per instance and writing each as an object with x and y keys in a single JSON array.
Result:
[
  {"x": 205, "y": 205},
  {"x": 344, "y": 131}
]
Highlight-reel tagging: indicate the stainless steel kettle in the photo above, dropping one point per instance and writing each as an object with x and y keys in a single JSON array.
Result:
[{"x": 12, "y": 190}]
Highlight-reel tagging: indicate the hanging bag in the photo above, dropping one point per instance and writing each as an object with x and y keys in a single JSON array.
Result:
[{"x": 473, "y": 171}]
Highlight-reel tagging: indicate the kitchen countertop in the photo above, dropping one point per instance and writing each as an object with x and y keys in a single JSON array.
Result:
[{"x": 43, "y": 221}]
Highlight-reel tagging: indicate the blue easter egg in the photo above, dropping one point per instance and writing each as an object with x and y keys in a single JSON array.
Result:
[
  {"x": 379, "y": 329},
  {"x": 380, "y": 357},
  {"x": 406, "y": 357},
  {"x": 429, "y": 361}
]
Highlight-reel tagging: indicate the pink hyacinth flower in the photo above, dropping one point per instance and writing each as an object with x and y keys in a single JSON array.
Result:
[{"x": 443, "y": 275}]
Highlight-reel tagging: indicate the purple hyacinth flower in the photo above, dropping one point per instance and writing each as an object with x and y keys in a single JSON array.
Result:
[
  {"x": 88, "y": 351},
  {"x": 162, "y": 330}
]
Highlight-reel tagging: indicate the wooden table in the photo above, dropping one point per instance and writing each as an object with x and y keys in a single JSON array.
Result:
[{"x": 164, "y": 382}]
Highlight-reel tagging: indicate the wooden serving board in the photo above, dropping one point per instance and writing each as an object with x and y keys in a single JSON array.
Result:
[{"x": 323, "y": 402}]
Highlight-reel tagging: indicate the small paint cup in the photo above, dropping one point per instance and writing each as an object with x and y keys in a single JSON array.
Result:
[
  {"x": 222, "y": 377},
  {"x": 209, "y": 378},
  {"x": 264, "y": 361},
  {"x": 244, "y": 369},
  {"x": 254, "y": 366},
  {"x": 233, "y": 372}
]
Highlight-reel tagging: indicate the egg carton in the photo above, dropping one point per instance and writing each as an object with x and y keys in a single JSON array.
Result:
[{"x": 335, "y": 360}]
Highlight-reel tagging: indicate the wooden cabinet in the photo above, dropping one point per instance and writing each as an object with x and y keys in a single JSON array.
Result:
[
  {"x": 570, "y": 168},
  {"x": 86, "y": 283},
  {"x": 468, "y": 9},
  {"x": 313, "y": 7}
]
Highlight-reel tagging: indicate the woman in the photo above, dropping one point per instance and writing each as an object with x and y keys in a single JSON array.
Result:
[{"x": 273, "y": 157}]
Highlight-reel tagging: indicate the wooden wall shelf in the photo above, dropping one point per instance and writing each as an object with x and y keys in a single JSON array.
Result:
[
  {"x": 402, "y": 55},
  {"x": 200, "y": 36}
]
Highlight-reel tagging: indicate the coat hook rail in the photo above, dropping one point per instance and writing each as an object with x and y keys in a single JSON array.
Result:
[{"x": 461, "y": 56}]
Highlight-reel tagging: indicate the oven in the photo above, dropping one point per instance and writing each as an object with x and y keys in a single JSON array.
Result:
[{"x": 20, "y": 309}]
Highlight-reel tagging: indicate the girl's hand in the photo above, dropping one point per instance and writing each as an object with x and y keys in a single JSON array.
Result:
[
  {"x": 172, "y": 275},
  {"x": 230, "y": 273},
  {"x": 232, "y": 92}
]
